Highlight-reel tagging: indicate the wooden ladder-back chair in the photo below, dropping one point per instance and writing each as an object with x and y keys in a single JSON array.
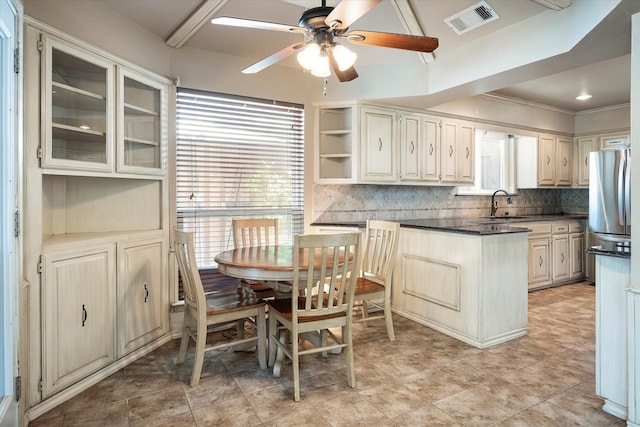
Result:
[
  {"x": 317, "y": 259},
  {"x": 252, "y": 232},
  {"x": 202, "y": 312},
  {"x": 374, "y": 282}
]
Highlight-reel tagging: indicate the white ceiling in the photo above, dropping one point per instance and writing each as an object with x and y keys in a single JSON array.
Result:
[{"x": 601, "y": 60}]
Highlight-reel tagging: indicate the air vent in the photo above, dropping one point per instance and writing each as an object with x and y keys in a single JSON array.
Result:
[{"x": 472, "y": 17}]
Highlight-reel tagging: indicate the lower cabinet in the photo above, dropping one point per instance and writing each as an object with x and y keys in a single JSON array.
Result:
[
  {"x": 78, "y": 327},
  {"x": 141, "y": 294},
  {"x": 556, "y": 252},
  {"x": 99, "y": 304}
]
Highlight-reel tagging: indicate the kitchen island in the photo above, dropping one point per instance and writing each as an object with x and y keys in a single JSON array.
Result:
[{"x": 464, "y": 278}]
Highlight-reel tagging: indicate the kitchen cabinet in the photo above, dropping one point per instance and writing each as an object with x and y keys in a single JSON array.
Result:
[
  {"x": 97, "y": 194},
  {"x": 378, "y": 144},
  {"x": 615, "y": 141},
  {"x": 142, "y": 295},
  {"x": 556, "y": 252},
  {"x": 78, "y": 308},
  {"x": 419, "y": 148},
  {"x": 545, "y": 162},
  {"x": 457, "y": 152},
  {"x": 336, "y": 152},
  {"x": 585, "y": 145}
]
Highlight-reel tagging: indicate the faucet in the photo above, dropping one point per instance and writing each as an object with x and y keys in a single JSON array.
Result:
[{"x": 494, "y": 204}]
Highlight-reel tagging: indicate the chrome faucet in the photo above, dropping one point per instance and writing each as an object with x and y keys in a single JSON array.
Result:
[{"x": 494, "y": 204}]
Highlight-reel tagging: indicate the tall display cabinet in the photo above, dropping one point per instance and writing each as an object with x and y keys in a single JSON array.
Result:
[{"x": 96, "y": 295}]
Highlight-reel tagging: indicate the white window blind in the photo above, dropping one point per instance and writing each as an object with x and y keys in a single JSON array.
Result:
[{"x": 237, "y": 158}]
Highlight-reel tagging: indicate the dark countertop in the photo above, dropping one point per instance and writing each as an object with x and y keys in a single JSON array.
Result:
[
  {"x": 610, "y": 249},
  {"x": 477, "y": 226}
]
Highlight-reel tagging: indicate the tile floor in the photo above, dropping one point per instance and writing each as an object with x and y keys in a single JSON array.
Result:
[{"x": 424, "y": 378}]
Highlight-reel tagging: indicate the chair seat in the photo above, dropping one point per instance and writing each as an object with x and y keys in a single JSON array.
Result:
[
  {"x": 365, "y": 286},
  {"x": 284, "y": 306},
  {"x": 227, "y": 303}
]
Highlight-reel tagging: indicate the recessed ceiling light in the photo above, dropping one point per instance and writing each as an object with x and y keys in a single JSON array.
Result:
[{"x": 583, "y": 97}]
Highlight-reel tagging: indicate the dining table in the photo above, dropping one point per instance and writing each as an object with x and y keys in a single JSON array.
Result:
[{"x": 273, "y": 265}]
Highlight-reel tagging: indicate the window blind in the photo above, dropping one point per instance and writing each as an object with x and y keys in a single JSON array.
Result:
[{"x": 237, "y": 157}]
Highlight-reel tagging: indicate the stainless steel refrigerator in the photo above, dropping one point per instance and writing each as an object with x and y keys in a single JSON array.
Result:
[{"x": 609, "y": 195}]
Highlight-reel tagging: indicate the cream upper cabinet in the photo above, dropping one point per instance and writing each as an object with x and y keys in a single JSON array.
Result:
[
  {"x": 378, "y": 145},
  {"x": 78, "y": 305},
  {"x": 419, "y": 148},
  {"x": 77, "y": 109},
  {"x": 457, "y": 155},
  {"x": 585, "y": 145},
  {"x": 142, "y": 123},
  {"x": 544, "y": 162},
  {"x": 563, "y": 161}
]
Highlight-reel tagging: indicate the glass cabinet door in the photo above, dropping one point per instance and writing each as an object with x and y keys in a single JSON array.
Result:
[
  {"x": 77, "y": 109},
  {"x": 142, "y": 106}
]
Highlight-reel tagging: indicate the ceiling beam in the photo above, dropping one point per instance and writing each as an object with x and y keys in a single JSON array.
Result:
[
  {"x": 197, "y": 19},
  {"x": 411, "y": 25}
]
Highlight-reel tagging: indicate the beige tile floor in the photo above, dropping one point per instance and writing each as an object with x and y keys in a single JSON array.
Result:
[{"x": 424, "y": 378}]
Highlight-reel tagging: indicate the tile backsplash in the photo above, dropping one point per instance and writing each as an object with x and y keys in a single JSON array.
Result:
[{"x": 336, "y": 203}]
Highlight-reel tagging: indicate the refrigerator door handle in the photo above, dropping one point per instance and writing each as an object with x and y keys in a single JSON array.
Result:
[
  {"x": 620, "y": 193},
  {"x": 627, "y": 193}
]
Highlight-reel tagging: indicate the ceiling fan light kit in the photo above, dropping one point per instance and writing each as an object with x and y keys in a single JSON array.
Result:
[{"x": 319, "y": 53}]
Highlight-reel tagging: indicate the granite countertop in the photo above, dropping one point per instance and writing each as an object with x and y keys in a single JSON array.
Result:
[
  {"x": 477, "y": 226},
  {"x": 611, "y": 249}
]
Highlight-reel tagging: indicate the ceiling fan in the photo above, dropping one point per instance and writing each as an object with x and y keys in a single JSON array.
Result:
[{"x": 319, "y": 52}]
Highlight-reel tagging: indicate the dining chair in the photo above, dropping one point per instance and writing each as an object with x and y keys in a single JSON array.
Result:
[
  {"x": 373, "y": 285},
  {"x": 252, "y": 232},
  {"x": 202, "y": 312},
  {"x": 314, "y": 307}
]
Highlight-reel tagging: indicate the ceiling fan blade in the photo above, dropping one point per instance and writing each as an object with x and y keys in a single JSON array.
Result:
[
  {"x": 273, "y": 58},
  {"x": 397, "y": 41},
  {"x": 343, "y": 76},
  {"x": 259, "y": 25},
  {"x": 348, "y": 11}
]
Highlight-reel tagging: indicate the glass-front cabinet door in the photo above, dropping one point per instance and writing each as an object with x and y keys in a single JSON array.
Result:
[
  {"x": 77, "y": 109},
  {"x": 142, "y": 128}
]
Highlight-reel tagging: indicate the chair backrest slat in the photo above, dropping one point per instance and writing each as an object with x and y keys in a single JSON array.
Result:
[
  {"x": 185, "y": 255},
  {"x": 252, "y": 232},
  {"x": 328, "y": 285},
  {"x": 381, "y": 242}
]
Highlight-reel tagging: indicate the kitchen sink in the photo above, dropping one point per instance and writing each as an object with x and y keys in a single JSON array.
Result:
[{"x": 495, "y": 219}]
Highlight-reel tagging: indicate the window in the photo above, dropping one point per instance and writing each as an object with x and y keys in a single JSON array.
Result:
[
  {"x": 494, "y": 163},
  {"x": 237, "y": 157}
]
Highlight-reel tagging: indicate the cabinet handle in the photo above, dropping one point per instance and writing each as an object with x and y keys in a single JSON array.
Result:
[
  {"x": 431, "y": 149},
  {"x": 84, "y": 315},
  {"x": 468, "y": 152},
  {"x": 586, "y": 158},
  {"x": 540, "y": 261},
  {"x": 561, "y": 257},
  {"x": 564, "y": 163},
  {"x": 146, "y": 293},
  {"x": 379, "y": 144},
  {"x": 548, "y": 160},
  {"x": 450, "y": 150},
  {"x": 412, "y": 147}
]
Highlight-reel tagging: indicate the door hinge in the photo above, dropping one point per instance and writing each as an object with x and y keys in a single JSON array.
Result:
[
  {"x": 40, "y": 266},
  {"x": 18, "y": 387},
  {"x": 39, "y": 152},
  {"x": 16, "y": 228},
  {"x": 40, "y": 386},
  {"x": 16, "y": 60},
  {"x": 39, "y": 45}
]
